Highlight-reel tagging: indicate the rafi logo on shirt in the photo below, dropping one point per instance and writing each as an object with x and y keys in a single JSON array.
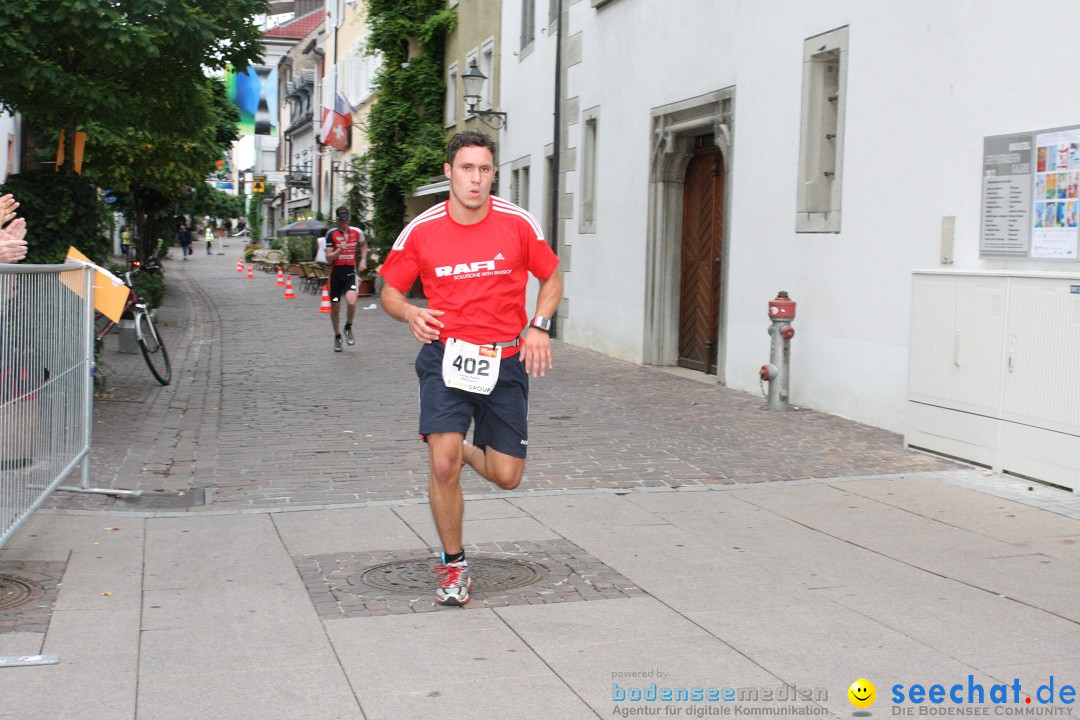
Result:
[
  {"x": 480, "y": 268},
  {"x": 463, "y": 268}
]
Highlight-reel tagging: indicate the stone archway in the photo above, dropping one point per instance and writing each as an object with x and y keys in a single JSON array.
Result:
[{"x": 674, "y": 131}]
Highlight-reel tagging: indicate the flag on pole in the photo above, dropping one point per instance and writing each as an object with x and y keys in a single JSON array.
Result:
[{"x": 335, "y": 124}]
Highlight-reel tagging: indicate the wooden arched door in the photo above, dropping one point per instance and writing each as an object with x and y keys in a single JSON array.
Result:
[{"x": 702, "y": 253}]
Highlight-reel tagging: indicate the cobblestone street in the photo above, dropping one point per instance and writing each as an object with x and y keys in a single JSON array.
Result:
[{"x": 262, "y": 412}]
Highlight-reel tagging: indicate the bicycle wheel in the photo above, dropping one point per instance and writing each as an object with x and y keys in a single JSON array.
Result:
[{"x": 153, "y": 349}]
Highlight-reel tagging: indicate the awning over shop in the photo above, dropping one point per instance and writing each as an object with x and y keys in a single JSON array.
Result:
[{"x": 316, "y": 228}]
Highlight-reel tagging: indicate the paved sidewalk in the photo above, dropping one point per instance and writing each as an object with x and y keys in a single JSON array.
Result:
[
  {"x": 275, "y": 565},
  {"x": 263, "y": 413}
]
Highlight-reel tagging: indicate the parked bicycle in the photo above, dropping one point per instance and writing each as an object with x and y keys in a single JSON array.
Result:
[{"x": 146, "y": 333}]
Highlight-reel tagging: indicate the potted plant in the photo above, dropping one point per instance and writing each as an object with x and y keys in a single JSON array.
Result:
[{"x": 366, "y": 279}]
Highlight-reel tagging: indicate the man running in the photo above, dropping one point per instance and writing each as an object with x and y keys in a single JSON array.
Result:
[
  {"x": 346, "y": 251},
  {"x": 474, "y": 254}
]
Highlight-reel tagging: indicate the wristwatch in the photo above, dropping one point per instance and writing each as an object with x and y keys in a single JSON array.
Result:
[{"x": 541, "y": 323}]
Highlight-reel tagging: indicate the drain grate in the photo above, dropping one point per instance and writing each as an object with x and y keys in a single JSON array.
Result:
[
  {"x": 16, "y": 591},
  {"x": 408, "y": 577},
  {"x": 521, "y": 572}
]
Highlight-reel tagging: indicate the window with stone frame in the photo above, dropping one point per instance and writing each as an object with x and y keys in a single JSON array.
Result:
[
  {"x": 590, "y": 126},
  {"x": 821, "y": 147},
  {"x": 528, "y": 23}
]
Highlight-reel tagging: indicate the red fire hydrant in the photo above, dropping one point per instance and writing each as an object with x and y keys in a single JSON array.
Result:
[{"x": 778, "y": 369}]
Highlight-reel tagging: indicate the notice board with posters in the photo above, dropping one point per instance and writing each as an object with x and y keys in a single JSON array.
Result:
[{"x": 1031, "y": 195}]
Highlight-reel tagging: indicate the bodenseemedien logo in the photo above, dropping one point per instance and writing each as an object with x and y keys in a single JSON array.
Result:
[{"x": 785, "y": 701}]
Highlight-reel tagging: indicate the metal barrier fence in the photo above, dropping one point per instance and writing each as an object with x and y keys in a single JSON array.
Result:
[{"x": 46, "y": 384}]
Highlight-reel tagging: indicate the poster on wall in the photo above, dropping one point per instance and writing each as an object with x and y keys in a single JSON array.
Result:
[
  {"x": 1031, "y": 195},
  {"x": 1006, "y": 230},
  {"x": 1056, "y": 195}
]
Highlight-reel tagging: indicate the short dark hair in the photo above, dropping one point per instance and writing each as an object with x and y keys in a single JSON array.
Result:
[{"x": 468, "y": 139}]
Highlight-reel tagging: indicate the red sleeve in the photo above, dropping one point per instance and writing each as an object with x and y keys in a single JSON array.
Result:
[
  {"x": 539, "y": 257},
  {"x": 402, "y": 266}
]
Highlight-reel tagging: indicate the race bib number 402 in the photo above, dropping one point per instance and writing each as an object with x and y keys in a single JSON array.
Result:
[{"x": 473, "y": 368}]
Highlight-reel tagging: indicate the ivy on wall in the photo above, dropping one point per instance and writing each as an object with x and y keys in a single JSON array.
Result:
[{"x": 405, "y": 127}]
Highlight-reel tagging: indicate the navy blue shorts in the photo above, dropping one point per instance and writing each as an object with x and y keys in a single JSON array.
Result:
[{"x": 501, "y": 418}]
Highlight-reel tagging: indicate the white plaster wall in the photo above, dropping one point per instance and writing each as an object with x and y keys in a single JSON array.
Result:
[
  {"x": 8, "y": 126},
  {"x": 527, "y": 92},
  {"x": 927, "y": 81}
]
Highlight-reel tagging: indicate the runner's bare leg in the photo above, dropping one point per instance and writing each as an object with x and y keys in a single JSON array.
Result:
[
  {"x": 444, "y": 490},
  {"x": 495, "y": 467},
  {"x": 350, "y": 312}
]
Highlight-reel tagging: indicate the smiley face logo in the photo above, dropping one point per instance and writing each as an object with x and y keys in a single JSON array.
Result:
[{"x": 862, "y": 693}]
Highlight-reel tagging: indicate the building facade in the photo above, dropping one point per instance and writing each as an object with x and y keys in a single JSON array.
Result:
[
  {"x": 715, "y": 152},
  {"x": 300, "y": 68},
  {"x": 349, "y": 86}
]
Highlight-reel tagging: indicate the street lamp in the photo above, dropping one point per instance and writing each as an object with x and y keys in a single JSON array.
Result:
[{"x": 474, "y": 85}]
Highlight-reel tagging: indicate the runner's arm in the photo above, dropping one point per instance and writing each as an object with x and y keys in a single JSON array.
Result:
[
  {"x": 332, "y": 251},
  {"x": 422, "y": 321},
  {"x": 536, "y": 349},
  {"x": 361, "y": 256}
]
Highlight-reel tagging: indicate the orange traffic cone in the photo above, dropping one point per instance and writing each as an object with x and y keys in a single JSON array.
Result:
[
  {"x": 324, "y": 306},
  {"x": 288, "y": 288},
  {"x": 251, "y": 273},
  {"x": 239, "y": 266},
  {"x": 280, "y": 277}
]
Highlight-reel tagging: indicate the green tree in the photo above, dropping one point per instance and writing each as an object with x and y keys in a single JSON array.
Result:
[
  {"x": 118, "y": 63},
  {"x": 408, "y": 142},
  {"x": 60, "y": 210},
  {"x": 132, "y": 74},
  {"x": 208, "y": 201},
  {"x": 358, "y": 200},
  {"x": 254, "y": 218},
  {"x": 156, "y": 167},
  {"x": 357, "y": 195}
]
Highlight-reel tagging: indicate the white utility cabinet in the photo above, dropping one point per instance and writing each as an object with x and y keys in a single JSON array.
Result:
[{"x": 994, "y": 371}]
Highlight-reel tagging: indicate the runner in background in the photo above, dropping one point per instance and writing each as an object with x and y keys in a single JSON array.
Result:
[{"x": 346, "y": 251}]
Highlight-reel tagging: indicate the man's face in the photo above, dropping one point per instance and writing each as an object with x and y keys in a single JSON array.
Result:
[
  {"x": 343, "y": 222},
  {"x": 471, "y": 176}
]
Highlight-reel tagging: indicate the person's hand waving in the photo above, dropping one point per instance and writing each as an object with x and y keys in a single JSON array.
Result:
[
  {"x": 8, "y": 205},
  {"x": 13, "y": 241}
]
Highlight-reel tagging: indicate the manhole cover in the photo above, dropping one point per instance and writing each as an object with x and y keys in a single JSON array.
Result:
[
  {"x": 489, "y": 574},
  {"x": 15, "y": 592}
]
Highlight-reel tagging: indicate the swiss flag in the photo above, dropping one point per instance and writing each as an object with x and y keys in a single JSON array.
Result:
[
  {"x": 335, "y": 129},
  {"x": 335, "y": 124}
]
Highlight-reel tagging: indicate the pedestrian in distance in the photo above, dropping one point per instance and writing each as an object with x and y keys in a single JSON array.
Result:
[
  {"x": 209, "y": 240},
  {"x": 346, "y": 252},
  {"x": 126, "y": 241},
  {"x": 184, "y": 236},
  {"x": 474, "y": 253}
]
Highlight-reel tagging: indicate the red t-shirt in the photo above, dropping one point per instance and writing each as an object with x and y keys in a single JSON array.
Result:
[
  {"x": 348, "y": 242},
  {"x": 475, "y": 273}
]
